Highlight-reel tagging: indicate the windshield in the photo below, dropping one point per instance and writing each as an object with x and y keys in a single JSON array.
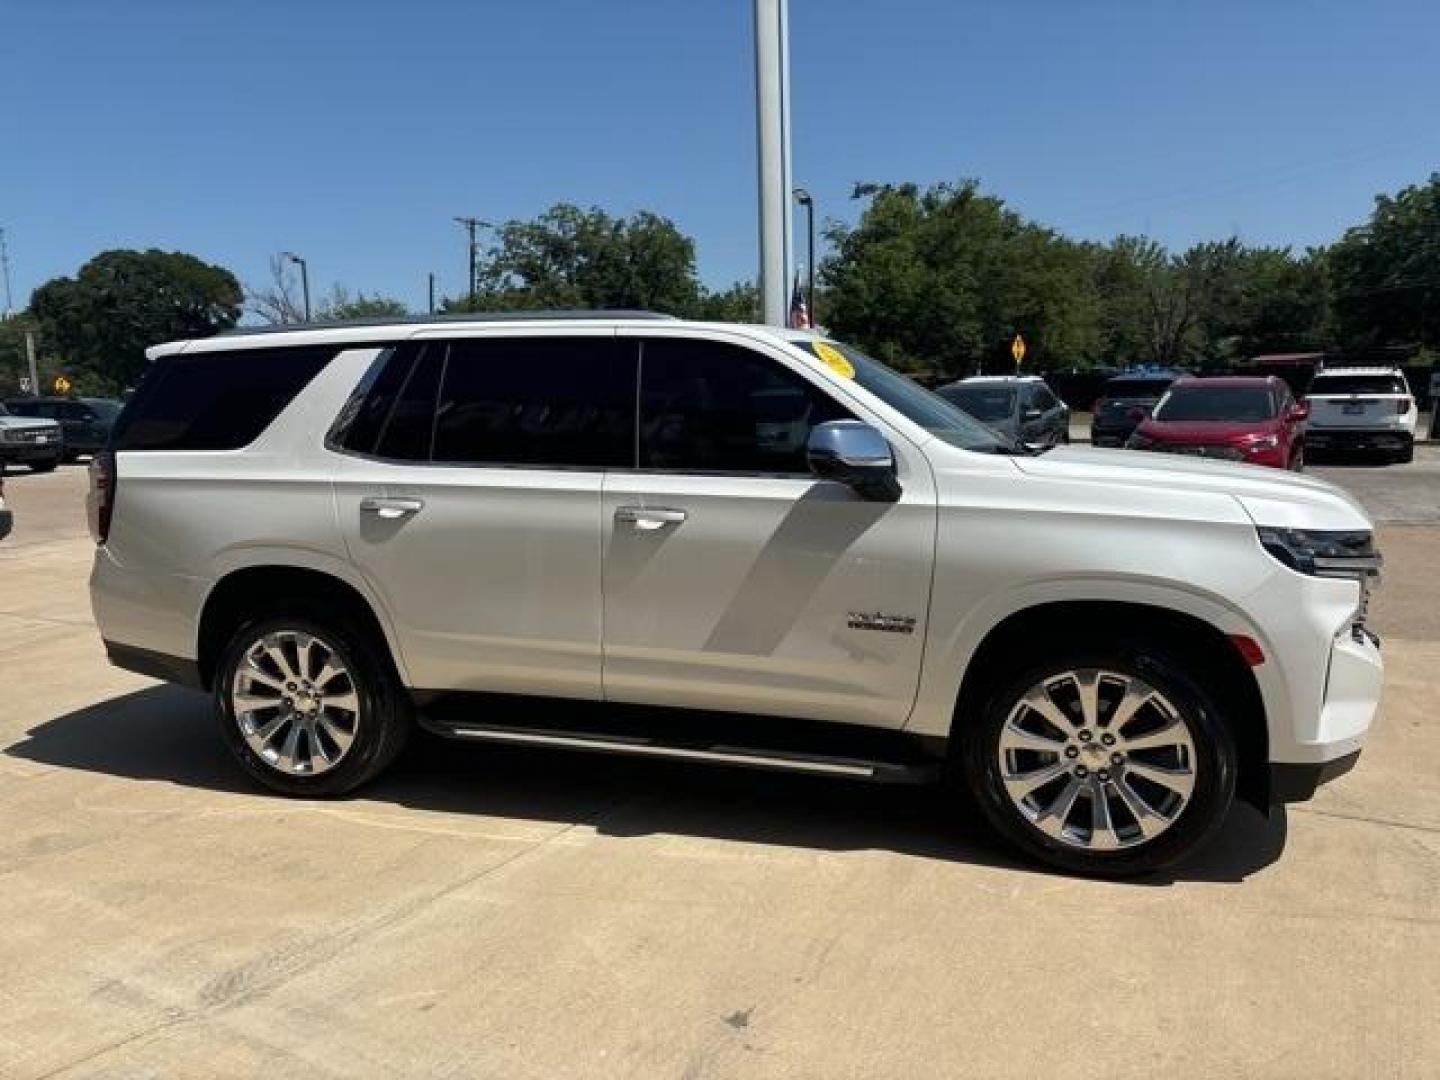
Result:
[
  {"x": 104, "y": 407},
  {"x": 1136, "y": 388},
  {"x": 930, "y": 411},
  {"x": 1357, "y": 384},
  {"x": 993, "y": 403},
  {"x": 1227, "y": 403}
]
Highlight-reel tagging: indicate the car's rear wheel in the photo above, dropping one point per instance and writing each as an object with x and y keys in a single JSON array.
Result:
[
  {"x": 308, "y": 708},
  {"x": 1106, "y": 761}
]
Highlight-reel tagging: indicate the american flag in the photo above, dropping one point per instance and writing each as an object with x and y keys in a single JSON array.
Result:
[{"x": 799, "y": 311}]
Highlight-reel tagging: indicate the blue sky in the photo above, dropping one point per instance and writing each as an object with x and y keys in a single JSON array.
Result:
[{"x": 354, "y": 132}]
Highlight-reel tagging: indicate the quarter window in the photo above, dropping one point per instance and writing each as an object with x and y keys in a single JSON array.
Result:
[
  {"x": 215, "y": 400},
  {"x": 706, "y": 406}
]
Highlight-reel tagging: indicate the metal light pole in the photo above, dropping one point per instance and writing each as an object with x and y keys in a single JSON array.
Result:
[
  {"x": 431, "y": 279},
  {"x": 470, "y": 224},
  {"x": 804, "y": 198},
  {"x": 772, "y": 138},
  {"x": 304, "y": 278},
  {"x": 5, "y": 272}
]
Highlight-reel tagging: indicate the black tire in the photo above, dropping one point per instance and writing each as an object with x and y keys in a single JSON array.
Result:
[
  {"x": 1405, "y": 456},
  {"x": 44, "y": 466},
  {"x": 1214, "y": 767},
  {"x": 381, "y": 727}
]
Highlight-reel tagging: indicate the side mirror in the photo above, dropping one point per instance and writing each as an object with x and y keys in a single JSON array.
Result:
[
  {"x": 854, "y": 454},
  {"x": 1300, "y": 411}
]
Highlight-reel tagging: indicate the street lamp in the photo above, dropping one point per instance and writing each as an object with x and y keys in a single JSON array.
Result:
[
  {"x": 304, "y": 278},
  {"x": 804, "y": 198},
  {"x": 470, "y": 224}
]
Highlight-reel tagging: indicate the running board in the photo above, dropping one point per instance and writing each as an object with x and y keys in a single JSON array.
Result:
[{"x": 891, "y": 772}]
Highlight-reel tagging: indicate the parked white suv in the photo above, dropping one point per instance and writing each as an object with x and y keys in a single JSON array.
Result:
[
  {"x": 1361, "y": 408},
  {"x": 585, "y": 533}
]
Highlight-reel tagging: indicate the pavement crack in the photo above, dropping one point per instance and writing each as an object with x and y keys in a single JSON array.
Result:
[{"x": 1367, "y": 819}]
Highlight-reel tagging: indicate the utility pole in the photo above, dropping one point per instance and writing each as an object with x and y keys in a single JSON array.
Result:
[
  {"x": 430, "y": 277},
  {"x": 804, "y": 198},
  {"x": 772, "y": 139},
  {"x": 30, "y": 358},
  {"x": 470, "y": 224},
  {"x": 304, "y": 278},
  {"x": 5, "y": 272}
]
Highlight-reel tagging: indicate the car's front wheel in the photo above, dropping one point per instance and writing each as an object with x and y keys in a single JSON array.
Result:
[
  {"x": 1105, "y": 761},
  {"x": 309, "y": 709}
]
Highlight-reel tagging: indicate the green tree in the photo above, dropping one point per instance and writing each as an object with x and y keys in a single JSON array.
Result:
[
  {"x": 573, "y": 258},
  {"x": 343, "y": 304},
  {"x": 941, "y": 279},
  {"x": 739, "y": 303},
  {"x": 1386, "y": 273},
  {"x": 99, "y": 323}
]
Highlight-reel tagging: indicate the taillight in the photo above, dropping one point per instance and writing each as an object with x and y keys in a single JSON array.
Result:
[{"x": 100, "y": 505}]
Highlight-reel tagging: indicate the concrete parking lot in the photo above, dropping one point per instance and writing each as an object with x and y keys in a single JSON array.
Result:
[{"x": 518, "y": 914}]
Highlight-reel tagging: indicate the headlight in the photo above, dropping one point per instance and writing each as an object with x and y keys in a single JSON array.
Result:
[
  {"x": 1323, "y": 552},
  {"x": 1331, "y": 554},
  {"x": 1261, "y": 442}
]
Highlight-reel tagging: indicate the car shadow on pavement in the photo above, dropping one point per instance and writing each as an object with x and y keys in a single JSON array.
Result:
[{"x": 166, "y": 734}]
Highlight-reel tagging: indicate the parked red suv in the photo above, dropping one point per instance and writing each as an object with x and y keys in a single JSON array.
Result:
[{"x": 1256, "y": 420}]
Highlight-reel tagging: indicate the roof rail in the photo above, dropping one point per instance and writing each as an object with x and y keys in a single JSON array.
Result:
[{"x": 576, "y": 315}]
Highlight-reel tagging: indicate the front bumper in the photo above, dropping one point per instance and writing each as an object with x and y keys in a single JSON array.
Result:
[
  {"x": 1292, "y": 783},
  {"x": 27, "y": 451},
  {"x": 1391, "y": 440}
]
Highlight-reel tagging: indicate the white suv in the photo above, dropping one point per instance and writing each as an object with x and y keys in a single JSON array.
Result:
[
  {"x": 1362, "y": 408},
  {"x": 585, "y": 532}
]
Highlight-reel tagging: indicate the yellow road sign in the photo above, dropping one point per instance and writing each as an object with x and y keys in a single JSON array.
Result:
[
  {"x": 62, "y": 384},
  {"x": 1017, "y": 349}
]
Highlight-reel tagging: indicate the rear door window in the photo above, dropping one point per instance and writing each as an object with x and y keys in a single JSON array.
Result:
[
  {"x": 561, "y": 402},
  {"x": 215, "y": 400}
]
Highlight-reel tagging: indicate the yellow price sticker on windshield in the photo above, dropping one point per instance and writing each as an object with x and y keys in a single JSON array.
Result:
[{"x": 834, "y": 359}]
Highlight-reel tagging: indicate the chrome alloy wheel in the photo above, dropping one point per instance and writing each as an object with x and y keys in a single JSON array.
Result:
[
  {"x": 1097, "y": 760},
  {"x": 296, "y": 702}
]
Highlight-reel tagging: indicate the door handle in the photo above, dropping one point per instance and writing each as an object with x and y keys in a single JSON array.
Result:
[
  {"x": 649, "y": 518},
  {"x": 391, "y": 509}
]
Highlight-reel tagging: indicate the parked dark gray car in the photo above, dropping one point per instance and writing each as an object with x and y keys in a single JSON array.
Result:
[
  {"x": 85, "y": 422},
  {"x": 1020, "y": 406}
]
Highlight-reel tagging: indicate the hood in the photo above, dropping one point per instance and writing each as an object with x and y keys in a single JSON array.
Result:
[
  {"x": 1268, "y": 496},
  {"x": 1204, "y": 431}
]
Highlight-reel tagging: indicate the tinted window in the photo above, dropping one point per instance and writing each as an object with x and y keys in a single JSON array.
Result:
[
  {"x": 215, "y": 400},
  {"x": 359, "y": 423},
  {"x": 710, "y": 407},
  {"x": 537, "y": 401},
  {"x": 995, "y": 403},
  {"x": 1358, "y": 384},
  {"x": 409, "y": 427},
  {"x": 25, "y": 408},
  {"x": 1240, "y": 403}
]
